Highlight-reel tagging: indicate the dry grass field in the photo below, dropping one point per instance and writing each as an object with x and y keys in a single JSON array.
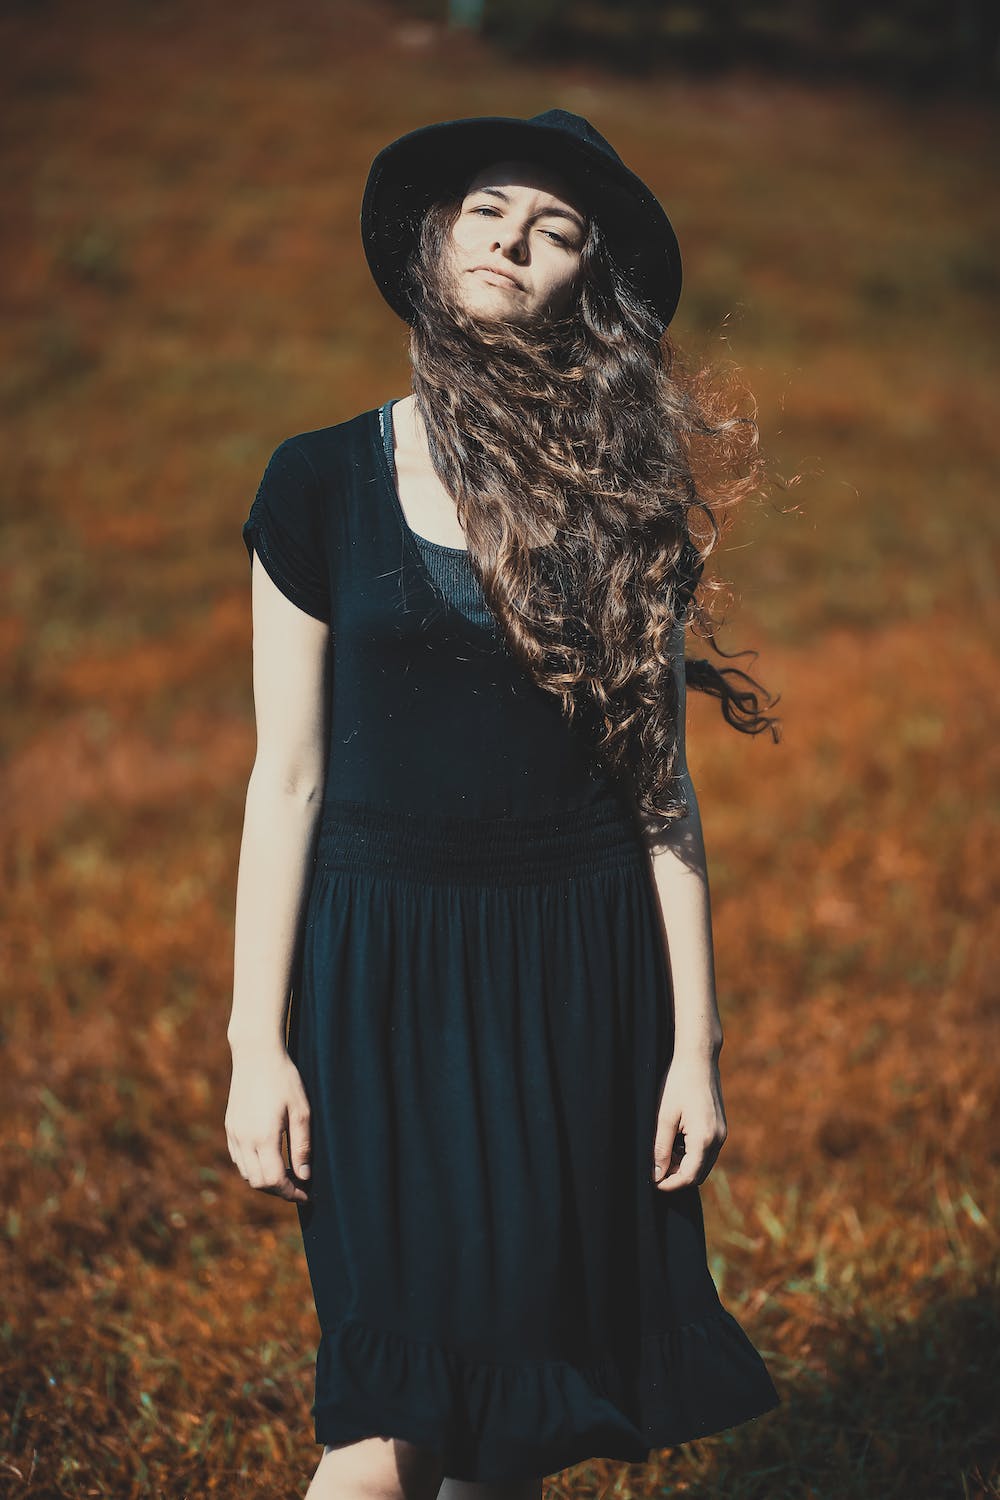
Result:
[{"x": 183, "y": 286}]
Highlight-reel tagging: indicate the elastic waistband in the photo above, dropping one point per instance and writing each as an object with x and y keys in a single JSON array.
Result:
[{"x": 455, "y": 850}]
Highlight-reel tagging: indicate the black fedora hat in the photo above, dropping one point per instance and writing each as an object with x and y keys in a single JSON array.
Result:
[{"x": 408, "y": 174}]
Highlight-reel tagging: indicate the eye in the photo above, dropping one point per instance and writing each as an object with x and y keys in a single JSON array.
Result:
[{"x": 487, "y": 208}]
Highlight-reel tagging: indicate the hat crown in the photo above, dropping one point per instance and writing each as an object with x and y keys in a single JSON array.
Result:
[
  {"x": 575, "y": 125},
  {"x": 436, "y": 160}
]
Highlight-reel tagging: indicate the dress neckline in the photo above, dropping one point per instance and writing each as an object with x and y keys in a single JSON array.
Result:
[
  {"x": 389, "y": 433},
  {"x": 486, "y": 633}
]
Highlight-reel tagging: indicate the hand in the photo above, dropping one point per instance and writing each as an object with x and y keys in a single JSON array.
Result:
[
  {"x": 266, "y": 1098},
  {"x": 691, "y": 1104}
]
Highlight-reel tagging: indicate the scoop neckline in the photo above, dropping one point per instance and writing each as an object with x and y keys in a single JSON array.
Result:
[
  {"x": 424, "y": 541},
  {"x": 489, "y": 634}
]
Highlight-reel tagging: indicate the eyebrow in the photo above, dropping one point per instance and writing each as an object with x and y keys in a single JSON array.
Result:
[{"x": 551, "y": 213}]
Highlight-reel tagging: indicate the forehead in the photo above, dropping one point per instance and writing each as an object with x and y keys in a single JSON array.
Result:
[{"x": 529, "y": 179}]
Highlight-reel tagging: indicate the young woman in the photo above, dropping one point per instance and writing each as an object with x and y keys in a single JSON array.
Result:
[{"x": 473, "y": 974}]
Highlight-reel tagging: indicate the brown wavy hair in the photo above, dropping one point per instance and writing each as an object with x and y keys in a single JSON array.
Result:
[{"x": 591, "y": 470}]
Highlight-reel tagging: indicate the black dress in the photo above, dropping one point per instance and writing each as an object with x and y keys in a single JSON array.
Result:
[{"x": 481, "y": 1016}]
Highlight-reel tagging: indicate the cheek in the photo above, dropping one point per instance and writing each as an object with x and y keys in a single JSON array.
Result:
[
  {"x": 465, "y": 234},
  {"x": 456, "y": 253},
  {"x": 564, "y": 279}
]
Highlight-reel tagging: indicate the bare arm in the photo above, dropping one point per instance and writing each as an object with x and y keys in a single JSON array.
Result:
[
  {"x": 284, "y": 795},
  {"x": 692, "y": 1099}
]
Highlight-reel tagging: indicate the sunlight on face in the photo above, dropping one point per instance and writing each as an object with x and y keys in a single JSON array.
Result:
[{"x": 516, "y": 243}]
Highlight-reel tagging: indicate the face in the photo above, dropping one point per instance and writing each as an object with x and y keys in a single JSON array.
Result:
[{"x": 521, "y": 222}]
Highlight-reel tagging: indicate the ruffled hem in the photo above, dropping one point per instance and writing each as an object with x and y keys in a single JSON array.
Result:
[{"x": 495, "y": 1421}]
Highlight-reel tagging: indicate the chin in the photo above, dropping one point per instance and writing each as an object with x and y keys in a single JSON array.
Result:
[
  {"x": 504, "y": 302},
  {"x": 495, "y": 311}
]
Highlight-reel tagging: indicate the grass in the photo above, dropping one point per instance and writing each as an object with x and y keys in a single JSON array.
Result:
[{"x": 184, "y": 287}]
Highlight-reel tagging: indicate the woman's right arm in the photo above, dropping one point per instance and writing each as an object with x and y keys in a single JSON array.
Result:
[{"x": 290, "y": 662}]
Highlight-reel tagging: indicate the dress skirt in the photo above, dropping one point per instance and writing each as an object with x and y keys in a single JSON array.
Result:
[{"x": 482, "y": 1020}]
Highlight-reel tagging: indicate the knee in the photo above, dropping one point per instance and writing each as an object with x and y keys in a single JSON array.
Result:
[
  {"x": 376, "y": 1468},
  {"x": 510, "y": 1489}
]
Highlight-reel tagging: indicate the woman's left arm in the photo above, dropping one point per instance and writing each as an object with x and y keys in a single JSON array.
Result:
[{"x": 691, "y": 1097}]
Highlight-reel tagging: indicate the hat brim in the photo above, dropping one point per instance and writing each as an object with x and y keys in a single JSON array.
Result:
[{"x": 410, "y": 173}]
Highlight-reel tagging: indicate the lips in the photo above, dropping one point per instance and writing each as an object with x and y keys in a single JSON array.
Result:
[{"x": 495, "y": 271}]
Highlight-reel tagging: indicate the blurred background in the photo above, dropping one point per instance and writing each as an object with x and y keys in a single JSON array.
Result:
[{"x": 183, "y": 286}]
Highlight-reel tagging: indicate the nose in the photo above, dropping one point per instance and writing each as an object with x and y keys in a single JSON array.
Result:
[{"x": 510, "y": 242}]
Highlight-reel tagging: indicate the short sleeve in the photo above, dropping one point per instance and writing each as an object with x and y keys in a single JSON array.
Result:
[{"x": 287, "y": 529}]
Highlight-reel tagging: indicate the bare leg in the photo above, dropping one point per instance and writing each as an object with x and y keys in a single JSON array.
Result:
[
  {"x": 375, "y": 1468},
  {"x": 467, "y": 1489}
]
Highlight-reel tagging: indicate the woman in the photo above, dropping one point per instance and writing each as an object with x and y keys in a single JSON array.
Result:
[{"x": 472, "y": 858}]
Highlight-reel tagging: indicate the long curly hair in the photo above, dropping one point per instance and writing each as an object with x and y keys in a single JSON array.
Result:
[{"x": 591, "y": 471}]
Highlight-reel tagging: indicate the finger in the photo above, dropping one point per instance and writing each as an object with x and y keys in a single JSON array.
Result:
[
  {"x": 289, "y": 1189},
  {"x": 711, "y": 1158},
  {"x": 684, "y": 1176},
  {"x": 256, "y": 1177},
  {"x": 690, "y": 1170},
  {"x": 665, "y": 1146},
  {"x": 275, "y": 1176},
  {"x": 239, "y": 1161},
  {"x": 299, "y": 1146},
  {"x": 273, "y": 1172}
]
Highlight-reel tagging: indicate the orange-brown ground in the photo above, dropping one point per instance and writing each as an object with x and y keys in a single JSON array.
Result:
[{"x": 183, "y": 286}]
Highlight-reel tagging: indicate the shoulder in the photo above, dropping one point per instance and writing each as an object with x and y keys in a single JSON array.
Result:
[
  {"x": 298, "y": 521},
  {"x": 325, "y": 453}
]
